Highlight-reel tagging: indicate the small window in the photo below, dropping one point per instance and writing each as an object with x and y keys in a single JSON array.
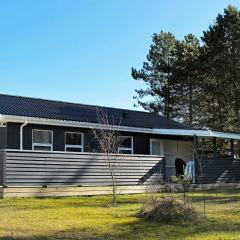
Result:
[
  {"x": 42, "y": 140},
  {"x": 126, "y": 145},
  {"x": 73, "y": 142},
  {"x": 156, "y": 147}
]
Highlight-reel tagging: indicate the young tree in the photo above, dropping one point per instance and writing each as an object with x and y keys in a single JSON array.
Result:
[{"x": 108, "y": 141}]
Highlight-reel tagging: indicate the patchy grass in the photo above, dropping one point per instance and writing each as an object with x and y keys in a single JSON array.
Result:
[{"x": 95, "y": 218}]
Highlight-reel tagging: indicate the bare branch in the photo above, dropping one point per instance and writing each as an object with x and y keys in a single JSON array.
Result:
[{"x": 108, "y": 141}]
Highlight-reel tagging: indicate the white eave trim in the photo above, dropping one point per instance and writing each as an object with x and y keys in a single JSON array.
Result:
[
  {"x": 176, "y": 132},
  {"x": 65, "y": 123},
  {"x": 224, "y": 135},
  {"x": 182, "y": 132},
  {"x": 198, "y": 133}
]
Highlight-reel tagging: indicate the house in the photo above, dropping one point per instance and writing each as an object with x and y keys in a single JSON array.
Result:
[{"x": 48, "y": 149}]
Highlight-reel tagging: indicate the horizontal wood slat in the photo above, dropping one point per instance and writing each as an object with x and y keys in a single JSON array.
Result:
[
  {"x": 1, "y": 168},
  {"x": 219, "y": 171},
  {"x": 29, "y": 168}
]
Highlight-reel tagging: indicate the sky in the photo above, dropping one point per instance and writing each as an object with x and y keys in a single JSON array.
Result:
[{"x": 83, "y": 50}]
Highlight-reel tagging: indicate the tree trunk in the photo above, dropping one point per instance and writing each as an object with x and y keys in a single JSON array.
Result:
[
  {"x": 114, "y": 194},
  {"x": 190, "y": 117}
]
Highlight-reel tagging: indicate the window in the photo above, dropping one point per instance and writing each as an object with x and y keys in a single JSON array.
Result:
[
  {"x": 156, "y": 147},
  {"x": 126, "y": 145},
  {"x": 42, "y": 140},
  {"x": 73, "y": 142}
]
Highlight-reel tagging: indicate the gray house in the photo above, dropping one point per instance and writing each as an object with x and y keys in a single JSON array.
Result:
[{"x": 47, "y": 148}]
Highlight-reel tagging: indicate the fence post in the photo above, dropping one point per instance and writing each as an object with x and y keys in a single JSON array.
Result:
[
  {"x": 195, "y": 161},
  {"x": 232, "y": 148},
  {"x": 4, "y": 168}
]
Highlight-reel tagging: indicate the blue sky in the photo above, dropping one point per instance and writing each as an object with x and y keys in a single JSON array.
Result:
[{"x": 83, "y": 50}]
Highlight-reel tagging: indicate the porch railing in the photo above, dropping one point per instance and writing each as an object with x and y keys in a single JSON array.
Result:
[
  {"x": 39, "y": 168},
  {"x": 218, "y": 170}
]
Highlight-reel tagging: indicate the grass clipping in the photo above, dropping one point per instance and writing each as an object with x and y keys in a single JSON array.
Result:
[{"x": 167, "y": 209}]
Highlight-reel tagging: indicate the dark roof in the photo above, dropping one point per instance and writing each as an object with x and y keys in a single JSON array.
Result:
[{"x": 40, "y": 108}]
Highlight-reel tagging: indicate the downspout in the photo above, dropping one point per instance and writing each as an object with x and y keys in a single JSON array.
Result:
[{"x": 21, "y": 134}]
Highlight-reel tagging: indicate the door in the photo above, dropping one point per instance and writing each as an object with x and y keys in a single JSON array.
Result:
[{"x": 176, "y": 149}]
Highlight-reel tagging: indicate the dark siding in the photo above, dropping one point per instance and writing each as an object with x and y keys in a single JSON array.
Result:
[
  {"x": 141, "y": 141},
  {"x": 30, "y": 168},
  {"x": 219, "y": 171},
  {"x": 13, "y": 135},
  {"x": 58, "y": 136},
  {"x": 3, "y": 137}
]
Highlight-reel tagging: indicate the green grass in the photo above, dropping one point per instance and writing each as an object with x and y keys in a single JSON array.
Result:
[{"x": 95, "y": 218}]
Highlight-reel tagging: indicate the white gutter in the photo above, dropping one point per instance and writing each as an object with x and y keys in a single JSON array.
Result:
[
  {"x": 21, "y": 134},
  {"x": 182, "y": 132},
  {"x": 224, "y": 135},
  {"x": 198, "y": 133},
  {"x": 65, "y": 123}
]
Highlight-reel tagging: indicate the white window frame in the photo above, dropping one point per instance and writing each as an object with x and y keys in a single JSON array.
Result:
[
  {"x": 124, "y": 148},
  {"x": 160, "y": 144},
  {"x": 75, "y": 146},
  {"x": 42, "y": 144}
]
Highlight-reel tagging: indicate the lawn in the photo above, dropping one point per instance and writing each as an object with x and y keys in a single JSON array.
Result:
[{"x": 94, "y": 218}]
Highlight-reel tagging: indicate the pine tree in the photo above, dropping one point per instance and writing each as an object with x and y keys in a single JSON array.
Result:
[
  {"x": 187, "y": 66},
  {"x": 221, "y": 67},
  {"x": 197, "y": 84},
  {"x": 171, "y": 74},
  {"x": 158, "y": 74}
]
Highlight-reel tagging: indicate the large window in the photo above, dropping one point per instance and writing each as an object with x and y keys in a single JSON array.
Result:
[
  {"x": 42, "y": 140},
  {"x": 126, "y": 145},
  {"x": 73, "y": 142}
]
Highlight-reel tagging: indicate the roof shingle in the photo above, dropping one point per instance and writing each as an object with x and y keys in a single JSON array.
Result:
[{"x": 49, "y": 109}]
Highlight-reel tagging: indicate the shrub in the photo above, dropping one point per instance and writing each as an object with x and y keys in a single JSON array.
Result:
[{"x": 167, "y": 209}]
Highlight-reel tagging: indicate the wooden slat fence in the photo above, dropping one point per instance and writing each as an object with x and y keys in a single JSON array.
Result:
[
  {"x": 220, "y": 170},
  {"x": 1, "y": 168},
  {"x": 35, "y": 168}
]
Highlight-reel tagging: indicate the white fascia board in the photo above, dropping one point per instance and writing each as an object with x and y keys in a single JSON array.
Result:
[
  {"x": 183, "y": 132},
  {"x": 199, "y": 133},
  {"x": 55, "y": 122},
  {"x": 176, "y": 132},
  {"x": 224, "y": 135},
  {"x": 2, "y": 122}
]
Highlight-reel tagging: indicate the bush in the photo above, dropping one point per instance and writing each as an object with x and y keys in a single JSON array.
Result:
[{"x": 167, "y": 209}]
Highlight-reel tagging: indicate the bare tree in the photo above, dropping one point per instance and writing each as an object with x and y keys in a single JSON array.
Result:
[{"x": 108, "y": 141}]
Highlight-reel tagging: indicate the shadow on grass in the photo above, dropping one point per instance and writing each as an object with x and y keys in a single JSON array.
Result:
[
  {"x": 140, "y": 230},
  {"x": 216, "y": 196},
  {"x": 217, "y": 199},
  {"x": 129, "y": 227}
]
